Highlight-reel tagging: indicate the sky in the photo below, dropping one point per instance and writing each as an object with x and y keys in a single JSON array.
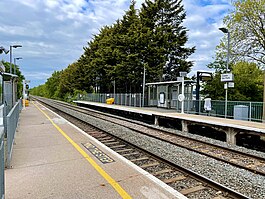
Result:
[{"x": 53, "y": 32}]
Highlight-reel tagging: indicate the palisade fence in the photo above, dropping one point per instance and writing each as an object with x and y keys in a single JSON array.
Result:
[
  {"x": 242, "y": 110},
  {"x": 12, "y": 122},
  {"x": 125, "y": 99}
]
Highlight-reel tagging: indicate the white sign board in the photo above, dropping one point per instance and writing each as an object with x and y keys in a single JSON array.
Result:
[
  {"x": 231, "y": 84},
  {"x": 162, "y": 98},
  {"x": 228, "y": 77},
  {"x": 181, "y": 97}
]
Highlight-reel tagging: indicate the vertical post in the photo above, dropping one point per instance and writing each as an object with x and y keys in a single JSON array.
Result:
[
  {"x": 143, "y": 86},
  {"x": 14, "y": 65},
  {"x": 24, "y": 95},
  {"x": 227, "y": 64},
  {"x": 250, "y": 108},
  {"x": 263, "y": 118},
  {"x": 182, "y": 90},
  {"x": 226, "y": 89},
  {"x": 10, "y": 53},
  {"x": 114, "y": 90},
  {"x": 197, "y": 92}
]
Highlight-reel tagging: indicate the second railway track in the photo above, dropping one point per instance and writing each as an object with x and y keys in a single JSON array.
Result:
[
  {"x": 240, "y": 159},
  {"x": 164, "y": 172}
]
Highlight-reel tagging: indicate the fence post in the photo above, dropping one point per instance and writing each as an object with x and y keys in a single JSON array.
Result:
[{"x": 250, "y": 108}]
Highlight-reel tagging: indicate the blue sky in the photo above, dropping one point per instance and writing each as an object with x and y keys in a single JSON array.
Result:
[{"x": 54, "y": 32}]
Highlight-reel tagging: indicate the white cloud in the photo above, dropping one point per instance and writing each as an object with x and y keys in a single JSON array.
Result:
[{"x": 54, "y": 32}]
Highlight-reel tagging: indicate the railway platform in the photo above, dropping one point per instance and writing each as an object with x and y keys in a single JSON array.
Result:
[
  {"x": 231, "y": 127},
  {"x": 54, "y": 159}
]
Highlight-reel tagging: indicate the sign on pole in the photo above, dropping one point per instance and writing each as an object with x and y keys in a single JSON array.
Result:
[{"x": 228, "y": 77}]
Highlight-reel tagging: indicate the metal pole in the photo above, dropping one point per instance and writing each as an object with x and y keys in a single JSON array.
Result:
[
  {"x": 263, "y": 118},
  {"x": 14, "y": 65},
  {"x": 197, "y": 92},
  {"x": 228, "y": 50},
  {"x": 24, "y": 95},
  {"x": 114, "y": 90},
  {"x": 226, "y": 89},
  {"x": 143, "y": 86},
  {"x": 10, "y": 53},
  {"x": 182, "y": 89},
  {"x": 227, "y": 64}
]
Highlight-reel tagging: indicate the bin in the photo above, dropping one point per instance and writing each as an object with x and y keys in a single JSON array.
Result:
[
  {"x": 26, "y": 102},
  {"x": 241, "y": 112},
  {"x": 110, "y": 101}
]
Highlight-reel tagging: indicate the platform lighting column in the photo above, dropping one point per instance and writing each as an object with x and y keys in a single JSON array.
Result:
[
  {"x": 226, "y": 31},
  {"x": 16, "y": 58},
  {"x": 13, "y": 46}
]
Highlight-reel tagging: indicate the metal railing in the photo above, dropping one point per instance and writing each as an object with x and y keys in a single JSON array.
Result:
[
  {"x": 2, "y": 163},
  {"x": 12, "y": 122},
  {"x": 125, "y": 99},
  {"x": 242, "y": 110}
]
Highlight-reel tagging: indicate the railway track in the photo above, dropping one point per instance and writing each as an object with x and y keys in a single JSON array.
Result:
[
  {"x": 187, "y": 182},
  {"x": 236, "y": 158}
]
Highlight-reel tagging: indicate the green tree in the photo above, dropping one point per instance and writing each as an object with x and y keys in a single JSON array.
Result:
[
  {"x": 39, "y": 90},
  {"x": 171, "y": 15},
  {"x": 246, "y": 24},
  {"x": 248, "y": 79},
  {"x": 52, "y": 85}
]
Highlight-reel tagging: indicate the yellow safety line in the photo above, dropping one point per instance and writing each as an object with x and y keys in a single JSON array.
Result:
[{"x": 113, "y": 183}]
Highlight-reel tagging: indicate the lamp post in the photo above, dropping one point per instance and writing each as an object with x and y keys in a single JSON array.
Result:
[
  {"x": 226, "y": 31},
  {"x": 16, "y": 58},
  {"x": 13, "y": 46}
]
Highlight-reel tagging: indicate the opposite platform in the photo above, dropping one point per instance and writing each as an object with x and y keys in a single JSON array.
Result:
[
  {"x": 50, "y": 161},
  {"x": 171, "y": 113}
]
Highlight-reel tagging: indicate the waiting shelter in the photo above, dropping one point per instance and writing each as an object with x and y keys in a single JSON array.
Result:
[{"x": 165, "y": 94}]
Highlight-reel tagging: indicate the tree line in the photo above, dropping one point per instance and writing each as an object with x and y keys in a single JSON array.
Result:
[{"x": 154, "y": 38}]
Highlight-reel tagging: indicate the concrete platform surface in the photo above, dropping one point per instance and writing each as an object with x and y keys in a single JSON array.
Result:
[
  {"x": 240, "y": 124},
  {"x": 50, "y": 161}
]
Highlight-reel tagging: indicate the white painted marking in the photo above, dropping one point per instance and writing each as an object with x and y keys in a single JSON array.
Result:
[
  {"x": 152, "y": 193},
  {"x": 59, "y": 120}
]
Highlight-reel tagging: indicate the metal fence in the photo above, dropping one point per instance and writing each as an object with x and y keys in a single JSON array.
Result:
[
  {"x": 242, "y": 110},
  {"x": 125, "y": 99},
  {"x": 2, "y": 164},
  {"x": 12, "y": 122}
]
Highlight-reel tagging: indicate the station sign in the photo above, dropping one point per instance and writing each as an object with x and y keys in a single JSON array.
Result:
[
  {"x": 231, "y": 85},
  {"x": 228, "y": 77}
]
